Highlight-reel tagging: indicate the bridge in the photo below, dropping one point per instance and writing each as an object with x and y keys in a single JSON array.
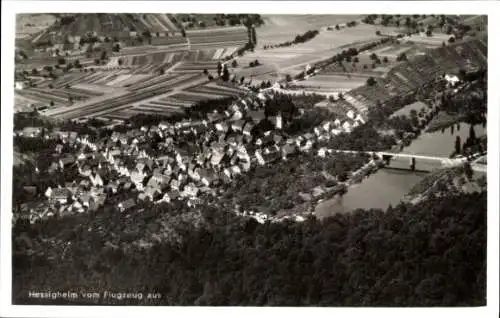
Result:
[{"x": 447, "y": 162}]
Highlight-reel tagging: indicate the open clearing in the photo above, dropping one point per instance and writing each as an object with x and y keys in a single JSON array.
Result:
[
  {"x": 282, "y": 28},
  {"x": 295, "y": 58},
  {"x": 332, "y": 83},
  {"x": 28, "y": 24}
]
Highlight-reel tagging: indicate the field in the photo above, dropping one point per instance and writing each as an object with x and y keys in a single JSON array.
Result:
[
  {"x": 29, "y": 24},
  {"x": 331, "y": 83},
  {"x": 174, "y": 101},
  {"x": 281, "y": 28},
  {"x": 406, "y": 111},
  {"x": 294, "y": 59},
  {"x": 217, "y": 38},
  {"x": 111, "y": 25}
]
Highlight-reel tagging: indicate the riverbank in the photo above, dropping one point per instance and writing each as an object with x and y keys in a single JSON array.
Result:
[{"x": 443, "y": 120}]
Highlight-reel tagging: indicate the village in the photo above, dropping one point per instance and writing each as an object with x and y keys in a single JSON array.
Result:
[{"x": 223, "y": 147}]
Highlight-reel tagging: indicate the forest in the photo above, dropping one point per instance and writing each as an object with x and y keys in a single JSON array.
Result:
[{"x": 429, "y": 254}]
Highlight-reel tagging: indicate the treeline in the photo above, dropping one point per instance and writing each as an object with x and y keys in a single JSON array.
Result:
[
  {"x": 430, "y": 254},
  {"x": 275, "y": 188},
  {"x": 309, "y": 35}
]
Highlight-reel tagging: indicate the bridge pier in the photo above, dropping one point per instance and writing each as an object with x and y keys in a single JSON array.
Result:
[{"x": 413, "y": 163}]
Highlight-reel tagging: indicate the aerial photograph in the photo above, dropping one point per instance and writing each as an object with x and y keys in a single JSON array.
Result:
[{"x": 277, "y": 160}]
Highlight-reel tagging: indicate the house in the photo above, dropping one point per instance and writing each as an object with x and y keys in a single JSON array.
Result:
[
  {"x": 247, "y": 129},
  {"x": 207, "y": 177},
  {"x": 66, "y": 161},
  {"x": 127, "y": 204},
  {"x": 351, "y": 114},
  {"x": 346, "y": 126},
  {"x": 113, "y": 187},
  {"x": 271, "y": 156},
  {"x": 238, "y": 125},
  {"x": 222, "y": 127},
  {"x": 173, "y": 195},
  {"x": 336, "y": 132},
  {"x": 85, "y": 171},
  {"x": 257, "y": 115},
  {"x": 96, "y": 180},
  {"x": 245, "y": 165},
  {"x": 165, "y": 198},
  {"x": 190, "y": 190},
  {"x": 322, "y": 152},
  {"x": 259, "y": 157},
  {"x": 60, "y": 195},
  {"x": 360, "y": 119},
  {"x": 277, "y": 121},
  {"x": 237, "y": 115},
  {"x": 214, "y": 117},
  {"x": 235, "y": 170},
  {"x": 216, "y": 158},
  {"x": 153, "y": 193},
  {"x": 309, "y": 136},
  {"x": 288, "y": 150}
]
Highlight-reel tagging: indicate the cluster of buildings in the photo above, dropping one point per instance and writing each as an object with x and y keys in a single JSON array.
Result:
[{"x": 166, "y": 162}]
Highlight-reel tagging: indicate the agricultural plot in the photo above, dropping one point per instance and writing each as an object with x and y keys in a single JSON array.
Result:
[
  {"x": 288, "y": 60},
  {"x": 406, "y": 111},
  {"x": 331, "y": 83},
  {"x": 56, "y": 96},
  {"x": 33, "y": 24},
  {"x": 23, "y": 103},
  {"x": 93, "y": 89},
  {"x": 280, "y": 28},
  {"x": 433, "y": 41},
  {"x": 196, "y": 67},
  {"x": 112, "y": 25},
  {"x": 217, "y": 38}
]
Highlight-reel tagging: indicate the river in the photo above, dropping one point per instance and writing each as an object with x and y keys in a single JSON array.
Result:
[{"x": 387, "y": 186}]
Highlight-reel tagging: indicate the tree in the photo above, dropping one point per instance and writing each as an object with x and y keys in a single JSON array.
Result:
[
  {"x": 428, "y": 33},
  {"x": 402, "y": 57},
  {"x": 288, "y": 78},
  {"x": 472, "y": 133},
  {"x": 219, "y": 68},
  {"x": 61, "y": 61},
  {"x": 371, "y": 81},
  {"x": 469, "y": 173},
  {"x": 457, "y": 145},
  {"x": 52, "y": 103},
  {"x": 385, "y": 59},
  {"x": 356, "y": 59},
  {"x": 337, "y": 27},
  {"x": 242, "y": 80},
  {"x": 234, "y": 64},
  {"x": 377, "y": 32},
  {"x": 34, "y": 71},
  {"x": 104, "y": 55},
  {"x": 451, "y": 39},
  {"x": 225, "y": 74}
]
